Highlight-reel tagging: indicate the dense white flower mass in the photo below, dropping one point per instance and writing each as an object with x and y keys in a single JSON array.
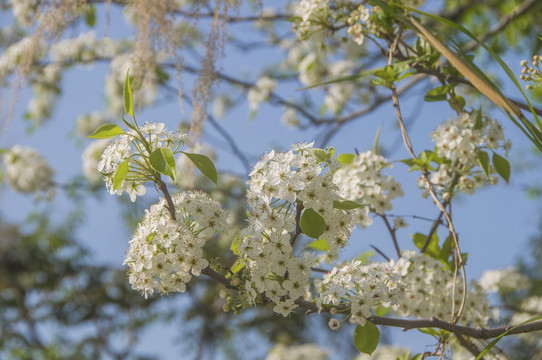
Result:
[
  {"x": 165, "y": 253},
  {"x": 504, "y": 280},
  {"x": 459, "y": 141},
  {"x": 91, "y": 158},
  {"x": 281, "y": 185},
  {"x": 26, "y": 171},
  {"x": 260, "y": 92},
  {"x": 298, "y": 352},
  {"x": 311, "y": 12},
  {"x": 339, "y": 93},
  {"x": 361, "y": 287},
  {"x": 362, "y": 179},
  {"x": 126, "y": 148},
  {"x": 430, "y": 292}
]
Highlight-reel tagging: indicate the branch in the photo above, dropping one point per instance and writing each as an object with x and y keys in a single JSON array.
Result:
[
  {"x": 503, "y": 22},
  {"x": 409, "y": 324}
]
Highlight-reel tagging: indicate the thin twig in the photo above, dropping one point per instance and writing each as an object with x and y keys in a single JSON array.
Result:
[{"x": 393, "y": 237}]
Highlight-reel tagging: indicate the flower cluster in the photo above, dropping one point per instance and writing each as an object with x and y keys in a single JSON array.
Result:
[
  {"x": 91, "y": 158},
  {"x": 81, "y": 49},
  {"x": 430, "y": 292},
  {"x": 361, "y": 287},
  {"x": 504, "y": 280},
  {"x": 338, "y": 94},
  {"x": 26, "y": 171},
  {"x": 529, "y": 307},
  {"x": 129, "y": 147},
  {"x": 298, "y": 352},
  {"x": 311, "y": 12},
  {"x": 362, "y": 179},
  {"x": 260, "y": 92},
  {"x": 282, "y": 185},
  {"x": 533, "y": 73},
  {"x": 165, "y": 253},
  {"x": 355, "y": 29},
  {"x": 459, "y": 142}
]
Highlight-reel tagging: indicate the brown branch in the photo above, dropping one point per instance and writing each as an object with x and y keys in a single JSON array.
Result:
[
  {"x": 393, "y": 237},
  {"x": 469, "y": 346},
  {"x": 216, "y": 276},
  {"x": 503, "y": 22},
  {"x": 409, "y": 324},
  {"x": 163, "y": 187}
]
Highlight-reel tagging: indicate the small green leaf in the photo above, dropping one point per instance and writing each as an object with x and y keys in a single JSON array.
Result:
[
  {"x": 432, "y": 250},
  {"x": 417, "y": 357},
  {"x": 478, "y": 123},
  {"x": 234, "y": 247},
  {"x": 163, "y": 161},
  {"x": 106, "y": 131},
  {"x": 366, "y": 338},
  {"x": 345, "y": 158},
  {"x": 483, "y": 160},
  {"x": 120, "y": 175},
  {"x": 319, "y": 244},
  {"x": 321, "y": 155},
  {"x": 365, "y": 256},
  {"x": 375, "y": 145},
  {"x": 460, "y": 101},
  {"x": 436, "y": 94},
  {"x": 90, "y": 16},
  {"x": 127, "y": 94},
  {"x": 502, "y": 166},
  {"x": 430, "y": 331},
  {"x": 312, "y": 224},
  {"x": 237, "y": 266},
  {"x": 346, "y": 205},
  {"x": 205, "y": 165}
]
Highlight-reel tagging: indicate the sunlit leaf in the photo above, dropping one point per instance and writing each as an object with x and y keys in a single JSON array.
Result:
[
  {"x": 366, "y": 338},
  {"x": 205, "y": 165},
  {"x": 106, "y": 131},
  {"x": 312, "y": 224}
]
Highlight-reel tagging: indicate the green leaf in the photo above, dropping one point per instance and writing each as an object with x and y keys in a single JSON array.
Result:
[
  {"x": 312, "y": 224},
  {"x": 446, "y": 251},
  {"x": 460, "y": 101},
  {"x": 432, "y": 250},
  {"x": 205, "y": 165},
  {"x": 237, "y": 266},
  {"x": 127, "y": 94},
  {"x": 478, "y": 122},
  {"x": 163, "y": 161},
  {"x": 120, "y": 175},
  {"x": 498, "y": 338},
  {"x": 319, "y": 244},
  {"x": 483, "y": 160},
  {"x": 346, "y": 205},
  {"x": 365, "y": 256},
  {"x": 321, "y": 155},
  {"x": 345, "y": 159},
  {"x": 502, "y": 166},
  {"x": 90, "y": 16},
  {"x": 106, "y": 131},
  {"x": 381, "y": 310},
  {"x": 375, "y": 145},
  {"x": 366, "y": 338},
  {"x": 235, "y": 245},
  {"x": 430, "y": 331},
  {"x": 436, "y": 94}
]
